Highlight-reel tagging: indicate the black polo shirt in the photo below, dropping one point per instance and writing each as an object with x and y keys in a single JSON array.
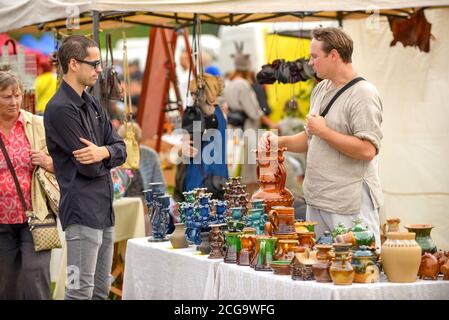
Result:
[{"x": 86, "y": 190}]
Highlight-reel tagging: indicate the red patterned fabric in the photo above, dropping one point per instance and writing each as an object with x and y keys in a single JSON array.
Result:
[{"x": 18, "y": 147}]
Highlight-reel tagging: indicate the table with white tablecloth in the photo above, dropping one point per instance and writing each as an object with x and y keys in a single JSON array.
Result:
[
  {"x": 129, "y": 223},
  {"x": 154, "y": 270},
  {"x": 235, "y": 282}
]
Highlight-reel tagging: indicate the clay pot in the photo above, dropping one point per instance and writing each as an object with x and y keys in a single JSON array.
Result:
[
  {"x": 178, "y": 237},
  {"x": 306, "y": 239},
  {"x": 245, "y": 255},
  {"x": 429, "y": 267},
  {"x": 365, "y": 266},
  {"x": 204, "y": 247},
  {"x": 392, "y": 225},
  {"x": 341, "y": 270},
  {"x": 423, "y": 238},
  {"x": 272, "y": 176},
  {"x": 401, "y": 257},
  {"x": 284, "y": 249},
  {"x": 282, "y": 220}
]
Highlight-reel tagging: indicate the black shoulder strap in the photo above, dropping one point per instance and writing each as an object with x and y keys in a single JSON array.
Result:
[
  {"x": 347, "y": 86},
  {"x": 13, "y": 173}
]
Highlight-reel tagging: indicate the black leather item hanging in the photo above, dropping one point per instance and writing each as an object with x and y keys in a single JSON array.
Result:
[{"x": 347, "y": 86}]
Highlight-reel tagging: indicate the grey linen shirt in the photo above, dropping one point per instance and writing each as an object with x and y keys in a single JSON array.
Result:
[{"x": 333, "y": 181}]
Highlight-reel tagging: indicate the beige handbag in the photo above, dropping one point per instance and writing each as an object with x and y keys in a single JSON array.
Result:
[
  {"x": 47, "y": 181},
  {"x": 44, "y": 232},
  {"x": 130, "y": 139}
]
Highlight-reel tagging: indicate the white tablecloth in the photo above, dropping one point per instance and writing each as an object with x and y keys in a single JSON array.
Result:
[
  {"x": 129, "y": 223},
  {"x": 154, "y": 270},
  {"x": 237, "y": 283}
]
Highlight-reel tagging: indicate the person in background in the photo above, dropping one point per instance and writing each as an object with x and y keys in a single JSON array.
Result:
[
  {"x": 241, "y": 99},
  {"x": 45, "y": 85},
  {"x": 24, "y": 273}
]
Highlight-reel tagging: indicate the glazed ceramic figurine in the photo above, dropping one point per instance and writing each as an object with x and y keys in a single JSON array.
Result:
[
  {"x": 272, "y": 177},
  {"x": 364, "y": 264},
  {"x": 216, "y": 241},
  {"x": 444, "y": 269}
]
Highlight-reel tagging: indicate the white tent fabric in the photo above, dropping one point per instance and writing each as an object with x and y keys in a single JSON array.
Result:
[
  {"x": 414, "y": 88},
  {"x": 259, "y": 6},
  {"x": 19, "y": 13}
]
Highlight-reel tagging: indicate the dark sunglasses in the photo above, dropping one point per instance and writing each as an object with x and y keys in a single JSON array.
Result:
[{"x": 93, "y": 64}]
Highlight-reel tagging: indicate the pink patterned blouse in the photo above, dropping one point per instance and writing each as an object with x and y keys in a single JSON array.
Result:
[{"x": 18, "y": 147}]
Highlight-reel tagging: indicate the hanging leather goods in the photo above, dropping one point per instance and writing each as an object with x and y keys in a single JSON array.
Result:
[{"x": 130, "y": 139}]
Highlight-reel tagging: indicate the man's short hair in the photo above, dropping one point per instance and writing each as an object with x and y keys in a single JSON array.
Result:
[
  {"x": 74, "y": 47},
  {"x": 335, "y": 38}
]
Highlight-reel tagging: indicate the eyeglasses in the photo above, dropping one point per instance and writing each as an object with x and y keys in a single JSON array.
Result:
[{"x": 94, "y": 64}]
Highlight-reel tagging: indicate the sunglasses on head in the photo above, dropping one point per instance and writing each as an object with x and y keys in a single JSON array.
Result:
[{"x": 94, "y": 64}]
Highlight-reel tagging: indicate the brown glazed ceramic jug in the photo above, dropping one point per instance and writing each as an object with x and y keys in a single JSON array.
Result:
[
  {"x": 401, "y": 257},
  {"x": 282, "y": 220},
  {"x": 272, "y": 176}
]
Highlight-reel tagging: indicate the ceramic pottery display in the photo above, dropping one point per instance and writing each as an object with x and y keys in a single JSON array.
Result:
[
  {"x": 256, "y": 218},
  {"x": 401, "y": 257},
  {"x": 321, "y": 267},
  {"x": 178, "y": 237},
  {"x": 339, "y": 229},
  {"x": 285, "y": 249},
  {"x": 392, "y": 225},
  {"x": 265, "y": 255},
  {"x": 160, "y": 218},
  {"x": 305, "y": 226},
  {"x": 204, "y": 247},
  {"x": 235, "y": 195},
  {"x": 245, "y": 255},
  {"x": 302, "y": 264},
  {"x": 326, "y": 238},
  {"x": 429, "y": 267},
  {"x": 365, "y": 267},
  {"x": 423, "y": 238},
  {"x": 341, "y": 270},
  {"x": 281, "y": 267},
  {"x": 282, "y": 220},
  {"x": 363, "y": 236},
  {"x": 272, "y": 176},
  {"x": 216, "y": 241},
  {"x": 306, "y": 239},
  {"x": 233, "y": 246}
]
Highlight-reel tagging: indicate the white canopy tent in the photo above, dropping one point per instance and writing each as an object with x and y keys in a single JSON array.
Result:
[
  {"x": 45, "y": 14},
  {"x": 413, "y": 85}
]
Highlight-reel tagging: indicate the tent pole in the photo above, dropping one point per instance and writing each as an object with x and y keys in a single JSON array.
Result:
[{"x": 96, "y": 36}]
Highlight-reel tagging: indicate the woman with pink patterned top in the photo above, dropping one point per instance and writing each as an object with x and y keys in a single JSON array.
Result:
[{"x": 24, "y": 273}]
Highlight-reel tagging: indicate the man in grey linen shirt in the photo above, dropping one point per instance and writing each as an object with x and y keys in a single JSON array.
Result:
[{"x": 341, "y": 181}]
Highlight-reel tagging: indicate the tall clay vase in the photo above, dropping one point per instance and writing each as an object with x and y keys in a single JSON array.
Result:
[
  {"x": 401, "y": 257},
  {"x": 272, "y": 177},
  {"x": 178, "y": 237}
]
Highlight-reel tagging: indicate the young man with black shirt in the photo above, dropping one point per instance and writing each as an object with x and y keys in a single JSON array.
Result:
[{"x": 84, "y": 148}]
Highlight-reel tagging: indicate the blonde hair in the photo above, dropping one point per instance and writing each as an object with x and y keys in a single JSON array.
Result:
[
  {"x": 9, "y": 79},
  {"x": 335, "y": 38}
]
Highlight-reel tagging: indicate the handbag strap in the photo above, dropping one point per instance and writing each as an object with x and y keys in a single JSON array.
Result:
[
  {"x": 13, "y": 173},
  {"x": 109, "y": 49},
  {"x": 347, "y": 86}
]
